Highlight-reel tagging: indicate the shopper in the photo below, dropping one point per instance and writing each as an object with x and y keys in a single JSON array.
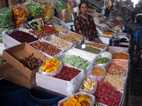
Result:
[
  {"x": 84, "y": 23},
  {"x": 135, "y": 49}
]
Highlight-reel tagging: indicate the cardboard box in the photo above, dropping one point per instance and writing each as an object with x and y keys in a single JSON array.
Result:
[
  {"x": 11, "y": 74},
  {"x": 12, "y": 56},
  {"x": 9, "y": 41},
  {"x": 57, "y": 85}
]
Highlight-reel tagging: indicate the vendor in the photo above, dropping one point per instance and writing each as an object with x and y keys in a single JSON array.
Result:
[{"x": 85, "y": 25}]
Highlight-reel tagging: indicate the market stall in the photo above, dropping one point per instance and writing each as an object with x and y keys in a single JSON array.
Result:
[
  {"x": 89, "y": 67},
  {"x": 46, "y": 54}
]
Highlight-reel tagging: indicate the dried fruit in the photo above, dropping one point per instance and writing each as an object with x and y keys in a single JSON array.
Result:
[
  {"x": 31, "y": 62},
  {"x": 46, "y": 47},
  {"x": 67, "y": 73}
]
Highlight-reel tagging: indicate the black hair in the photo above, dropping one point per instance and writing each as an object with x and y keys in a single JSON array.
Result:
[
  {"x": 139, "y": 19},
  {"x": 84, "y": 2}
]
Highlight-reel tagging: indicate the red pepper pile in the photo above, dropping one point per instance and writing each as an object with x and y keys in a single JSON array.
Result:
[
  {"x": 107, "y": 94},
  {"x": 67, "y": 73}
]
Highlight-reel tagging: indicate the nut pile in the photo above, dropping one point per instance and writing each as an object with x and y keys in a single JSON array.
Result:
[
  {"x": 46, "y": 47},
  {"x": 59, "y": 42}
]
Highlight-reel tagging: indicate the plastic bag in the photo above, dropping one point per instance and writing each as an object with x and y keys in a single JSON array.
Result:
[
  {"x": 20, "y": 14},
  {"x": 35, "y": 9},
  {"x": 60, "y": 5},
  {"x": 48, "y": 11},
  {"x": 5, "y": 17}
]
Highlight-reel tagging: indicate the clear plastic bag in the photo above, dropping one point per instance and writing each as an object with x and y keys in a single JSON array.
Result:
[
  {"x": 5, "y": 17},
  {"x": 20, "y": 14}
]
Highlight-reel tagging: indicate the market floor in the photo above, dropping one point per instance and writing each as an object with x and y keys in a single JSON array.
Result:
[
  {"x": 14, "y": 95},
  {"x": 134, "y": 88}
]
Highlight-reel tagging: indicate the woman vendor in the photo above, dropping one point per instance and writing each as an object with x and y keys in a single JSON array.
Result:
[{"x": 85, "y": 25}]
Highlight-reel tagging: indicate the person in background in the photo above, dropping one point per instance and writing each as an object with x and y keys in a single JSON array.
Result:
[
  {"x": 135, "y": 48},
  {"x": 85, "y": 25},
  {"x": 108, "y": 4}
]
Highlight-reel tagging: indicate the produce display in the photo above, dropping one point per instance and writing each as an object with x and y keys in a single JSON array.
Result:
[
  {"x": 89, "y": 85},
  {"x": 22, "y": 36},
  {"x": 5, "y": 17},
  {"x": 118, "y": 67},
  {"x": 46, "y": 47},
  {"x": 76, "y": 61},
  {"x": 31, "y": 62},
  {"x": 67, "y": 73},
  {"x": 49, "y": 29},
  {"x": 72, "y": 37},
  {"x": 50, "y": 36},
  {"x": 77, "y": 100},
  {"x": 60, "y": 43},
  {"x": 120, "y": 55},
  {"x": 98, "y": 73},
  {"x": 20, "y": 14},
  {"x": 90, "y": 48},
  {"x": 97, "y": 45},
  {"x": 48, "y": 11},
  {"x": 37, "y": 25},
  {"x": 107, "y": 94},
  {"x": 35, "y": 9},
  {"x": 51, "y": 66},
  {"x": 102, "y": 60},
  {"x": 116, "y": 81}
]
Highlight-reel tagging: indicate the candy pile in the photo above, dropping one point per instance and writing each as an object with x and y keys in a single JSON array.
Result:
[
  {"x": 89, "y": 85},
  {"x": 22, "y": 36},
  {"x": 77, "y": 100},
  {"x": 107, "y": 94},
  {"x": 67, "y": 73},
  {"x": 51, "y": 66}
]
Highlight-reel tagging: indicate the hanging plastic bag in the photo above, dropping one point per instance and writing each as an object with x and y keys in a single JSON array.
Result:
[
  {"x": 48, "y": 11},
  {"x": 5, "y": 17},
  {"x": 20, "y": 14},
  {"x": 35, "y": 9}
]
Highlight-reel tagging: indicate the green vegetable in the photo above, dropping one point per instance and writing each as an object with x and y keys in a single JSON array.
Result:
[
  {"x": 5, "y": 17},
  {"x": 102, "y": 60},
  {"x": 35, "y": 9},
  {"x": 76, "y": 61},
  {"x": 60, "y": 5}
]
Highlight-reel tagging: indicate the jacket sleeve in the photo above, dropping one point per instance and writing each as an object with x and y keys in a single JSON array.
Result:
[{"x": 77, "y": 25}]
